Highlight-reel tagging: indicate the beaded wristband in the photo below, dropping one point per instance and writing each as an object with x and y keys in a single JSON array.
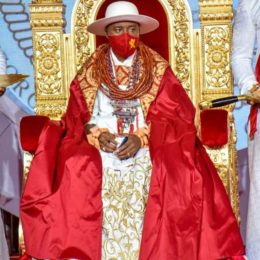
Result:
[
  {"x": 95, "y": 132},
  {"x": 143, "y": 134}
]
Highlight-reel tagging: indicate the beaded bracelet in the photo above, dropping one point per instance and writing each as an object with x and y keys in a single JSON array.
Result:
[
  {"x": 94, "y": 134},
  {"x": 143, "y": 134}
]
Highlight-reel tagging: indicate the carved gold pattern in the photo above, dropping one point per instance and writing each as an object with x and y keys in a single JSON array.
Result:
[
  {"x": 53, "y": 109},
  {"x": 217, "y": 57},
  {"x": 182, "y": 42},
  {"x": 216, "y": 33},
  {"x": 47, "y": 15},
  {"x": 48, "y": 63},
  {"x": 46, "y": 1},
  {"x": 47, "y": 24},
  {"x": 83, "y": 48}
]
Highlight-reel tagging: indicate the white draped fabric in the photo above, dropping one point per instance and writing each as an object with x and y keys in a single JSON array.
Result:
[
  {"x": 3, "y": 244},
  {"x": 246, "y": 35},
  {"x": 10, "y": 155}
]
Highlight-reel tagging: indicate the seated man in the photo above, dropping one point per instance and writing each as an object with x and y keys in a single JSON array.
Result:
[{"x": 125, "y": 176}]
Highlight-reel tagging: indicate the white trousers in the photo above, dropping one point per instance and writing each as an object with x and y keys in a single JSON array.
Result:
[
  {"x": 4, "y": 255},
  {"x": 253, "y": 218}
]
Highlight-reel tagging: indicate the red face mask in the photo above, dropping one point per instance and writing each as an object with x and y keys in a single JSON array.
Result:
[{"x": 124, "y": 44}]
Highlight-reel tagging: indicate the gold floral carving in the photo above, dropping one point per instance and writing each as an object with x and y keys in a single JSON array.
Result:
[
  {"x": 48, "y": 64},
  {"x": 53, "y": 108},
  {"x": 216, "y": 21},
  {"x": 46, "y": 1},
  {"x": 182, "y": 42},
  {"x": 47, "y": 15},
  {"x": 81, "y": 36},
  {"x": 217, "y": 57},
  {"x": 47, "y": 25}
]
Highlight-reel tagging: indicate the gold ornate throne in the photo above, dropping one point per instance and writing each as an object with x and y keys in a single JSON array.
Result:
[{"x": 200, "y": 59}]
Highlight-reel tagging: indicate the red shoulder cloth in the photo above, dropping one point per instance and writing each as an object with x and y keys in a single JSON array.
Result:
[{"x": 188, "y": 213}]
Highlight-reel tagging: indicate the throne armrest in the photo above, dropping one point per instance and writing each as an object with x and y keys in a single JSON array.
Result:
[
  {"x": 214, "y": 127},
  {"x": 30, "y": 130}
]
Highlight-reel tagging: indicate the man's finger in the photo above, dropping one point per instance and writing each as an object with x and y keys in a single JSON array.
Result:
[
  {"x": 122, "y": 150},
  {"x": 111, "y": 146}
]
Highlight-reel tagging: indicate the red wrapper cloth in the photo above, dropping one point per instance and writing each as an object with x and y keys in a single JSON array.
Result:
[{"x": 188, "y": 213}]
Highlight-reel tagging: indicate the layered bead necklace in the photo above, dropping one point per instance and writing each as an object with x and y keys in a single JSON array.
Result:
[
  {"x": 140, "y": 78},
  {"x": 134, "y": 74},
  {"x": 126, "y": 111}
]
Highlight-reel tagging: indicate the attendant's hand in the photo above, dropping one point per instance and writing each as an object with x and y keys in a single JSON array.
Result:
[
  {"x": 255, "y": 95},
  {"x": 107, "y": 142},
  {"x": 2, "y": 91},
  {"x": 130, "y": 148}
]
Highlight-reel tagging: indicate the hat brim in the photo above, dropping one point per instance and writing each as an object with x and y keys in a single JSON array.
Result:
[{"x": 147, "y": 23}]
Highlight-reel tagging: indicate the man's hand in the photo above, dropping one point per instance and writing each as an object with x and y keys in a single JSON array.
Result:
[
  {"x": 107, "y": 142},
  {"x": 130, "y": 148},
  {"x": 2, "y": 91}
]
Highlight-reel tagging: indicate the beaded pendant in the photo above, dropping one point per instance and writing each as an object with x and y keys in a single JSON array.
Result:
[{"x": 126, "y": 112}]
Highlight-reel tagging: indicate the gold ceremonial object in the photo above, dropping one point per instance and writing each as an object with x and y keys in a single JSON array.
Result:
[
  {"x": 225, "y": 101},
  {"x": 9, "y": 79}
]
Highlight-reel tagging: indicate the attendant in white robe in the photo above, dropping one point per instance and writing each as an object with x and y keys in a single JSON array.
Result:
[
  {"x": 3, "y": 245},
  {"x": 11, "y": 168},
  {"x": 246, "y": 35}
]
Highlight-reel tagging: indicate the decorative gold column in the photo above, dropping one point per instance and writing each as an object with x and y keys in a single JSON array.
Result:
[
  {"x": 47, "y": 28},
  {"x": 216, "y": 30},
  {"x": 49, "y": 67}
]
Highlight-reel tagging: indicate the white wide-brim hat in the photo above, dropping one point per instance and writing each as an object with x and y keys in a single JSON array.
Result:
[{"x": 123, "y": 11}]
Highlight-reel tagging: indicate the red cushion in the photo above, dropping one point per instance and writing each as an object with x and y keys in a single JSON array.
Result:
[
  {"x": 30, "y": 130},
  {"x": 214, "y": 127}
]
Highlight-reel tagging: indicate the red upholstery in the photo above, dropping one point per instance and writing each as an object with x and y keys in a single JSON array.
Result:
[
  {"x": 30, "y": 130},
  {"x": 214, "y": 127},
  {"x": 158, "y": 39}
]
